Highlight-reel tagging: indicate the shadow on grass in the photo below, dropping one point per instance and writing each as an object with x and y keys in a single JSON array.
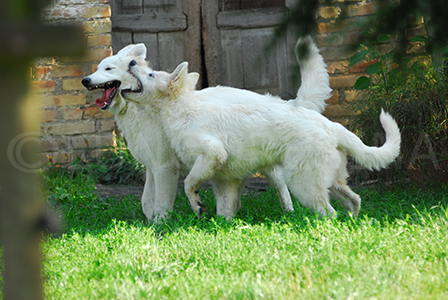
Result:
[{"x": 82, "y": 212}]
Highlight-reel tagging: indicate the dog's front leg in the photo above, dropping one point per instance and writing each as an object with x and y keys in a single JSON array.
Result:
[
  {"x": 228, "y": 196},
  {"x": 149, "y": 195},
  {"x": 203, "y": 168},
  {"x": 166, "y": 178}
]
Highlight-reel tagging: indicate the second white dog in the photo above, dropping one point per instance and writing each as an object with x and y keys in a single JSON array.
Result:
[
  {"x": 148, "y": 143},
  {"x": 229, "y": 142}
]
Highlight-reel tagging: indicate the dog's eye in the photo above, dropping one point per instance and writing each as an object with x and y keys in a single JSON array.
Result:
[
  {"x": 151, "y": 75},
  {"x": 108, "y": 69}
]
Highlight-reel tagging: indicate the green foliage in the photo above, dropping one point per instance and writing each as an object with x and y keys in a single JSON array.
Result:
[
  {"x": 116, "y": 166},
  {"x": 396, "y": 249},
  {"x": 73, "y": 195},
  {"x": 417, "y": 97}
]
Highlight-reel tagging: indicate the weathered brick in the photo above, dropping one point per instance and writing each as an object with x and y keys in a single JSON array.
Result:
[
  {"x": 66, "y": 71},
  {"x": 63, "y": 13},
  {"x": 49, "y": 115},
  {"x": 82, "y": 1},
  {"x": 94, "y": 68},
  {"x": 98, "y": 26},
  {"x": 325, "y": 40},
  {"x": 338, "y": 1},
  {"x": 335, "y": 53},
  {"x": 334, "y": 111},
  {"x": 97, "y": 113},
  {"x": 55, "y": 158},
  {"x": 94, "y": 12},
  {"x": 69, "y": 128},
  {"x": 353, "y": 37},
  {"x": 42, "y": 86},
  {"x": 60, "y": 158},
  {"x": 92, "y": 141},
  {"x": 329, "y": 12},
  {"x": 337, "y": 67},
  {"x": 98, "y": 54},
  {"x": 63, "y": 100},
  {"x": 350, "y": 96},
  {"x": 39, "y": 73},
  {"x": 73, "y": 113},
  {"x": 72, "y": 85},
  {"x": 343, "y": 81},
  {"x": 99, "y": 40},
  {"x": 77, "y": 1},
  {"x": 360, "y": 10},
  {"x": 55, "y": 144},
  {"x": 360, "y": 67},
  {"x": 78, "y": 12},
  {"x": 106, "y": 125},
  {"x": 414, "y": 31},
  {"x": 91, "y": 55},
  {"x": 333, "y": 26},
  {"x": 334, "y": 97}
]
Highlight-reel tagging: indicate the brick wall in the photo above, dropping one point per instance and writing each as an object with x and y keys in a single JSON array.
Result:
[
  {"x": 72, "y": 125},
  {"x": 333, "y": 42}
]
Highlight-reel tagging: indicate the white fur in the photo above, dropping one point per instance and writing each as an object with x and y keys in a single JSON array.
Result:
[
  {"x": 227, "y": 142},
  {"x": 142, "y": 128},
  {"x": 315, "y": 86}
]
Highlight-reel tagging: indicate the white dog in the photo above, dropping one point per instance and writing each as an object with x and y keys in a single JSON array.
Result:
[
  {"x": 149, "y": 145},
  {"x": 227, "y": 142}
]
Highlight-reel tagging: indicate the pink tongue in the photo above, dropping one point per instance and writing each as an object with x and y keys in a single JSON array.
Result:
[{"x": 106, "y": 94}]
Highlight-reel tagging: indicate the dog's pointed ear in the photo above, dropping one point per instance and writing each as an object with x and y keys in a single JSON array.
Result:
[
  {"x": 180, "y": 71},
  {"x": 138, "y": 50},
  {"x": 192, "y": 79}
]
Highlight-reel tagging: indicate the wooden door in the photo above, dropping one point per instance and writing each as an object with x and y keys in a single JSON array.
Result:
[
  {"x": 170, "y": 29},
  {"x": 224, "y": 40},
  {"x": 236, "y": 34}
]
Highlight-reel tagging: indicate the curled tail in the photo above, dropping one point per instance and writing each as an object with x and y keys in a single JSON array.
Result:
[
  {"x": 315, "y": 87},
  {"x": 373, "y": 157}
]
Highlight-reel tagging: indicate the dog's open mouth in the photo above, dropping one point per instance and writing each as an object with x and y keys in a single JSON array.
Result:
[{"x": 109, "y": 92}]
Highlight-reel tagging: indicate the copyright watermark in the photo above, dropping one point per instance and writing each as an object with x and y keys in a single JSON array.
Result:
[{"x": 16, "y": 150}]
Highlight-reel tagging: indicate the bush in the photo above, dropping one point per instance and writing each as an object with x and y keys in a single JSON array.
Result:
[
  {"x": 417, "y": 98},
  {"x": 116, "y": 166}
]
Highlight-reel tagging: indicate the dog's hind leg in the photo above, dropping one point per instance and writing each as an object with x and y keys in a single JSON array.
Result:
[
  {"x": 346, "y": 197},
  {"x": 309, "y": 179},
  {"x": 313, "y": 197},
  {"x": 227, "y": 194},
  {"x": 203, "y": 168},
  {"x": 275, "y": 177},
  {"x": 341, "y": 192}
]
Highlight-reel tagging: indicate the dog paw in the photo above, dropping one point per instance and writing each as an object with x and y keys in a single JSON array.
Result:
[{"x": 202, "y": 210}]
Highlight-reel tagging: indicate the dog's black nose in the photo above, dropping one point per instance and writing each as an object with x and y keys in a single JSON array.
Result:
[
  {"x": 86, "y": 81},
  {"x": 132, "y": 63}
]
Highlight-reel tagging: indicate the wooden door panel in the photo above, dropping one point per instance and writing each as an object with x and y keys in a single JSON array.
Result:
[
  {"x": 171, "y": 50},
  {"x": 169, "y": 28},
  {"x": 232, "y": 65},
  {"x": 235, "y": 46},
  {"x": 260, "y": 68},
  {"x": 227, "y": 38},
  {"x": 150, "y": 41},
  {"x": 130, "y": 7}
]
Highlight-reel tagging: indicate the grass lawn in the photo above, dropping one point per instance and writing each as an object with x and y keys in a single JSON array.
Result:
[{"x": 396, "y": 249}]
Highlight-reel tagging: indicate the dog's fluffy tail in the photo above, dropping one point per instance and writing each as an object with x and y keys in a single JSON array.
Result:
[
  {"x": 315, "y": 87},
  {"x": 373, "y": 157}
]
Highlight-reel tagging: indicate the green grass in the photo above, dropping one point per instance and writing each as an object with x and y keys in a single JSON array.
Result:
[{"x": 396, "y": 249}]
